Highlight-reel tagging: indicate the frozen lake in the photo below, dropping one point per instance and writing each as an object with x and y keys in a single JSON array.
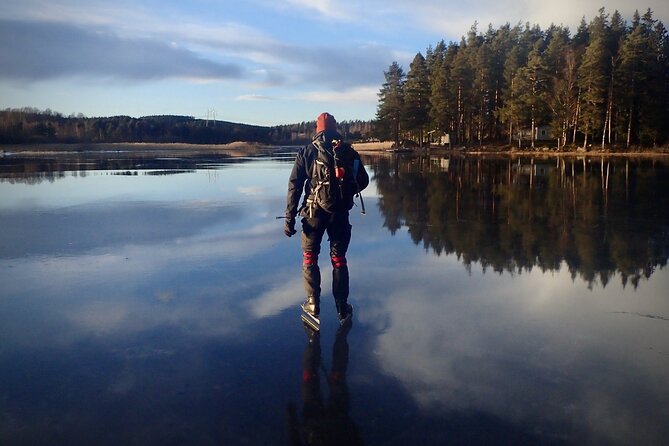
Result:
[{"x": 496, "y": 301}]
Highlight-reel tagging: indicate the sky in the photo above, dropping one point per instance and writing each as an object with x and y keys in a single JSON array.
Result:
[{"x": 263, "y": 62}]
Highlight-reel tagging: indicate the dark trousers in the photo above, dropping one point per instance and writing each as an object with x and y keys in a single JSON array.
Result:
[{"x": 338, "y": 229}]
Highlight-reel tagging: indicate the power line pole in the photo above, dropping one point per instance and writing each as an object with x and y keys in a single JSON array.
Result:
[{"x": 210, "y": 112}]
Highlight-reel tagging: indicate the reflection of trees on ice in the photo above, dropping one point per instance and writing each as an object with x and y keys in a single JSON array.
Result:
[{"x": 599, "y": 217}]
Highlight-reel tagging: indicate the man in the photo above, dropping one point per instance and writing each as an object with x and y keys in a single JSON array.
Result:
[{"x": 330, "y": 173}]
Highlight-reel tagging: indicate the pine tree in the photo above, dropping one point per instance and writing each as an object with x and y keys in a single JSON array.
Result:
[
  {"x": 500, "y": 46},
  {"x": 511, "y": 110},
  {"x": 535, "y": 97},
  {"x": 593, "y": 78},
  {"x": 461, "y": 86},
  {"x": 662, "y": 36},
  {"x": 417, "y": 97},
  {"x": 653, "y": 96},
  {"x": 433, "y": 56},
  {"x": 442, "y": 116},
  {"x": 630, "y": 79},
  {"x": 463, "y": 75},
  {"x": 488, "y": 74},
  {"x": 528, "y": 100},
  {"x": 582, "y": 33},
  {"x": 391, "y": 100},
  {"x": 616, "y": 35},
  {"x": 560, "y": 61},
  {"x": 516, "y": 111}
]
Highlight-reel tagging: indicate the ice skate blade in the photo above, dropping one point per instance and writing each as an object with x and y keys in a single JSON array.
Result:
[{"x": 311, "y": 321}]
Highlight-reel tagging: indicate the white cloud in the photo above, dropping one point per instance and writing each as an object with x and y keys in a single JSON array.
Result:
[
  {"x": 453, "y": 18},
  {"x": 38, "y": 51},
  {"x": 327, "y": 9},
  {"x": 92, "y": 13},
  {"x": 360, "y": 94},
  {"x": 253, "y": 97}
]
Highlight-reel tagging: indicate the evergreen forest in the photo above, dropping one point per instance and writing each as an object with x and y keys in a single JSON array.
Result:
[{"x": 605, "y": 86}]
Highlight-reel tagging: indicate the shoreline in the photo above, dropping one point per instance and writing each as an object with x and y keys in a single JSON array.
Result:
[
  {"x": 235, "y": 149},
  {"x": 249, "y": 149},
  {"x": 128, "y": 146},
  {"x": 512, "y": 151}
]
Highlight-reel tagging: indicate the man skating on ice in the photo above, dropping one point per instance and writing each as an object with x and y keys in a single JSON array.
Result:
[{"x": 330, "y": 173}]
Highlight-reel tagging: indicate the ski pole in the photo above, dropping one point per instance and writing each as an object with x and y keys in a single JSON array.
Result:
[{"x": 362, "y": 204}]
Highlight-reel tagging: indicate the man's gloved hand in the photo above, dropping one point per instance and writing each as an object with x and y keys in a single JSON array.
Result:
[{"x": 289, "y": 226}]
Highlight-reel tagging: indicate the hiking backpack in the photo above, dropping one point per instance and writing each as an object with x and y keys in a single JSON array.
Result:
[{"x": 334, "y": 177}]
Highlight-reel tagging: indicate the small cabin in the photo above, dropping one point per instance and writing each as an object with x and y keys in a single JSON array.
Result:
[{"x": 541, "y": 133}]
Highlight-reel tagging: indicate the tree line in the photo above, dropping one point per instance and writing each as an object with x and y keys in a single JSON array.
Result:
[
  {"x": 29, "y": 125},
  {"x": 601, "y": 219},
  {"x": 607, "y": 85}
]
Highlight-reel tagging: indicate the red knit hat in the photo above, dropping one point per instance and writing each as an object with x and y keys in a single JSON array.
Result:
[{"x": 326, "y": 121}]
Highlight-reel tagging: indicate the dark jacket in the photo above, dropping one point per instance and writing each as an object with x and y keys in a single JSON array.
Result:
[{"x": 300, "y": 177}]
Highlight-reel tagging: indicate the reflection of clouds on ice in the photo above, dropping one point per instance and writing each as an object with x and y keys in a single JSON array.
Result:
[
  {"x": 81, "y": 229},
  {"x": 125, "y": 262},
  {"x": 252, "y": 190},
  {"x": 133, "y": 287},
  {"x": 275, "y": 300},
  {"x": 165, "y": 296},
  {"x": 202, "y": 314},
  {"x": 508, "y": 347},
  {"x": 100, "y": 316}
]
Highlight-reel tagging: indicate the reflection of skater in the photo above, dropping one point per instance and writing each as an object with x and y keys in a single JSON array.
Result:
[
  {"x": 324, "y": 424},
  {"x": 329, "y": 172}
]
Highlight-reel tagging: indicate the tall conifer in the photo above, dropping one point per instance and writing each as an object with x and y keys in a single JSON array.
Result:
[
  {"x": 593, "y": 78},
  {"x": 442, "y": 114},
  {"x": 391, "y": 103},
  {"x": 417, "y": 97}
]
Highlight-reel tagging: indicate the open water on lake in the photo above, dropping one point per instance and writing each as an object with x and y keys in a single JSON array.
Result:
[{"x": 496, "y": 301}]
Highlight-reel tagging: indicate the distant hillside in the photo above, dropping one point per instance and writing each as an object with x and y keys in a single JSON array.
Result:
[{"x": 32, "y": 126}]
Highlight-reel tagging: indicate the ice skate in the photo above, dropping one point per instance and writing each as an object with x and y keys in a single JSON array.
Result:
[{"x": 311, "y": 312}]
